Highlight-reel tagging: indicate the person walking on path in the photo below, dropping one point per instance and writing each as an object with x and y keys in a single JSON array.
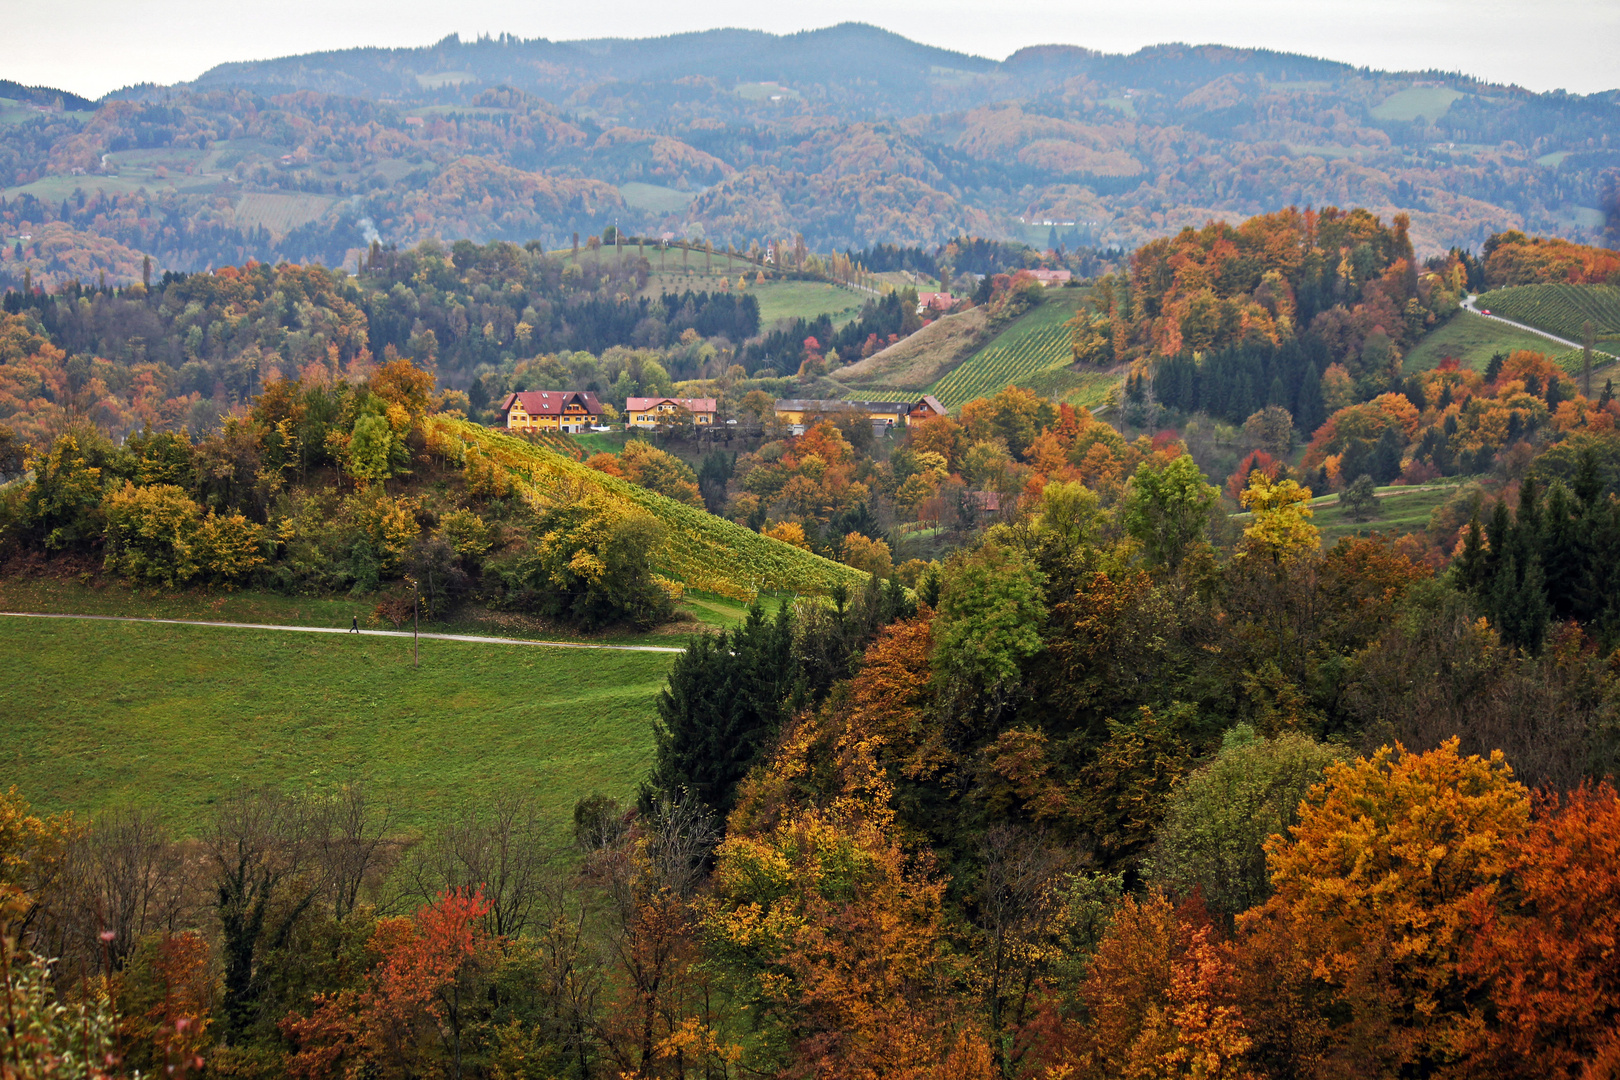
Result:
[{"x": 354, "y": 624}]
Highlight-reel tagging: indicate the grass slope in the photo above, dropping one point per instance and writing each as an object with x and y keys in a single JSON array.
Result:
[
  {"x": 1034, "y": 351},
  {"x": 95, "y": 715},
  {"x": 806, "y": 300},
  {"x": 1400, "y": 510},
  {"x": 1472, "y": 340},
  {"x": 705, "y": 552},
  {"x": 917, "y": 362}
]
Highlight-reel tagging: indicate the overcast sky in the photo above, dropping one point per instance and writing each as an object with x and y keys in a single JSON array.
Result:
[{"x": 99, "y": 45}]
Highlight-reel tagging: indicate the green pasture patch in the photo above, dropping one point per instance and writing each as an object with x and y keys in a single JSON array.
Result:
[
  {"x": 55, "y": 595},
  {"x": 1400, "y": 510},
  {"x": 765, "y": 91},
  {"x": 655, "y": 199},
  {"x": 1429, "y": 102},
  {"x": 95, "y": 715},
  {"x": 280, "y": 214},
  {"x": 1472, "y": 340},
  {"x": 806, "y": 300}
]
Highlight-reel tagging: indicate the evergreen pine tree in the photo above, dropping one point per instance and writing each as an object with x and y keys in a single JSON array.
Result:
[
  {"x": 1385, "y": 464},
  {"x": 725, "y": 700},
  {"x": 1563, "y": 555},
  {"x": 1588, "y": 479},
  {"x": 1470, "y": 565},
  {"x": 1497, "y": 532},
  {"x": 1278, "y": 394},
  {"x": 1311, "y": 412}
]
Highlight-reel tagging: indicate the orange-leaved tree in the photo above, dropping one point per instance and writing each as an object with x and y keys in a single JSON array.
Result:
[
  {"x": 413, "y": 1010},
  {"x": 1377, "y": 889},
  {"x": 837, "y": 931},
  {"x": 1551, "y": 952}
]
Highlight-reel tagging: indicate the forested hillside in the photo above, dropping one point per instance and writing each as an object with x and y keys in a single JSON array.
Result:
[
  {"x": 1073, "y": 765},
  {"x": 848, "y": 136}
]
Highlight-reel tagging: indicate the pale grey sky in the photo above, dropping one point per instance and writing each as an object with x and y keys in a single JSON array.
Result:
[{"x": 99, "y": 45}]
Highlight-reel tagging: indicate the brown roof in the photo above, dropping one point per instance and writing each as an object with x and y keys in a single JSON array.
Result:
[
  {"x": 690, "y": 404},
  {"x": 551, "y": 402},
  {"x": 932, "y": 402}
]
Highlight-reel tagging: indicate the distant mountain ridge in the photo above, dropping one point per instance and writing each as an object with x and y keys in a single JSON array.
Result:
[
  {"x": 848, "y": 136},
  {"x": 857, "y": 53}
]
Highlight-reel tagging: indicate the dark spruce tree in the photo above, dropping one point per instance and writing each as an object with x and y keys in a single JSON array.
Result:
[{"x": 726, "y": 700}]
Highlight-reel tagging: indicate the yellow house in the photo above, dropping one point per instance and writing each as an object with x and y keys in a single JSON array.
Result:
[
  {"x": 549, "y": 410},
  {"x": 800, "y": 413},
  {"x": 651, "y": 411}
]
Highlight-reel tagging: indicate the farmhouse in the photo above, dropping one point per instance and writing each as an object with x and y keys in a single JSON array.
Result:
[
  {"x": 934, "y": 301},
  {"x": 1051, "y": 277},
  {"x": 648, "y": 412},
  {"x": 555, "y": 410},
  {"x": 799, "y": 413}
]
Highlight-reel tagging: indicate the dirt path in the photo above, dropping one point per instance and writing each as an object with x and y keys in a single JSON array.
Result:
[{"x": 470, "y": 638}]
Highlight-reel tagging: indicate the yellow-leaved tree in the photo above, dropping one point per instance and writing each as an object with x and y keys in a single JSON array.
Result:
[
  {"x": 1280, "y": 530},
  {"x": 1375, "y": 891}
]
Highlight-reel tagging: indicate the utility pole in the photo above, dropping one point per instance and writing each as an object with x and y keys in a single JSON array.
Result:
[
  {"x": 1588, "y": 337},
  {"x": 416, "y": 652}
]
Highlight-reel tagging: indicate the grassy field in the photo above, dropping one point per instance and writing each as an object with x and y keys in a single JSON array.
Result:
[
  {"x": 1561, "y": 309},
  {"x": 1472, "y": 340},
  {"x": 95, "y": 715},
  {"x": 1401, "y": 510},
  {"x": 655, "y": 199},
  {"x": 1033, "y": 348},
  {"x": 1429, "y": 102},
  {"x": 806, "y": 300}
]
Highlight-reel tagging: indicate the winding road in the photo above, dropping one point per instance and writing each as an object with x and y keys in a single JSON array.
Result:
[
  {"x": 470, "y": 638},
  {"x": 1468, "y": 306}
]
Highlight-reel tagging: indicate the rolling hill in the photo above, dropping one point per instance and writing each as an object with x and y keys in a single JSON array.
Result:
[
  {"x": 704, "y": 552},
  {"x": 848, "y": 135}
]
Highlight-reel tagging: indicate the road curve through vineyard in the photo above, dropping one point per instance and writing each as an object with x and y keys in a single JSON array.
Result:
[{"x": 1468, "y": 305}]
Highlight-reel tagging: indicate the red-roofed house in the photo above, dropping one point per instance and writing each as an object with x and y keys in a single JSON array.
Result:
[
  {"x": 1051, "y": 277},
  {"x": 556, "y": 410},
  {"x": 934, "y": 301},
  {"x": 652, "y": 411}
]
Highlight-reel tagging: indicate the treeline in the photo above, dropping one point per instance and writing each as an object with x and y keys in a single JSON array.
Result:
[{"x": 883, "y": 319}]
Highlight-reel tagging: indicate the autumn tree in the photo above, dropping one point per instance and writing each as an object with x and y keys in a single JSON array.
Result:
[
  {"x": 1167, "y": 509},
  {"x": 1378, "y": 883}
]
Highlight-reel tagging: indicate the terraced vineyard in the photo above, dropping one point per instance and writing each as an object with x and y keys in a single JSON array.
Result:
[
  {"x": 704, "y": 552},
  {"x": 1561, "y": 310},
  {"x": 1031, "y": 353}
]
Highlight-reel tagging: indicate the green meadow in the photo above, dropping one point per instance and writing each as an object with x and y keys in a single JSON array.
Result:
[{"x": 96, "y": 715}]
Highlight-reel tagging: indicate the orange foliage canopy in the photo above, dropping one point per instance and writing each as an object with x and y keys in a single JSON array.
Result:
[
  {"x": 1512, "y": 258},
  {"x": 418, "y": 960}
]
